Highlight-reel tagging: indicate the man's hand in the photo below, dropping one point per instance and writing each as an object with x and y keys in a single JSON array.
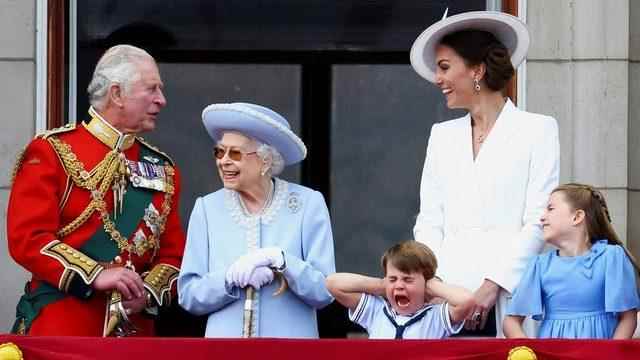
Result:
[
  {"x": 136, "y": 305},
  {"x": 485, "y": 297},
  {"x": 126, "y": 281}
]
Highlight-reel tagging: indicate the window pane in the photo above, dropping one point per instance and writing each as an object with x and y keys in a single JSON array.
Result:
[
  {"x": 289, "y": 25},
  {"x": 381, "y": 119}
]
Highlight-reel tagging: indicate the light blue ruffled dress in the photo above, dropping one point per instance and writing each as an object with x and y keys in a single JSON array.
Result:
[{"x": 577, "y": 297}]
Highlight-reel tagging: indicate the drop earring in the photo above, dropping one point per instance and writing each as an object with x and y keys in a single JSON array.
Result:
[{"x": 476, "y": 85}]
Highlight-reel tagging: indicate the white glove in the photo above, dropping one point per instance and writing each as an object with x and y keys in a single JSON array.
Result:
[
  {"x": 274, "y": 256},
  {"x": 260, "y": 277},
  {"x": 240, "y": 271}
]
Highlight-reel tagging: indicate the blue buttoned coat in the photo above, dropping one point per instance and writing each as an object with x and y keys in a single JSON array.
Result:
[{"x": 297, "y": 221}]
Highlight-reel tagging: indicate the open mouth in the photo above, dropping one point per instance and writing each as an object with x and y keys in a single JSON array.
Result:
[
  {"x": 229, "y": 175},
  {"x": 402, "y": 301}
]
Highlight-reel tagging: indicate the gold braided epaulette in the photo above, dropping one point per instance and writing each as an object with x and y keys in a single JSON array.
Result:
[
  {"x": 63, "y": 129},
  {"x": 43, "y": 135},
  {"x": 159, "y": 282},
  {"x": 17, "y": 165},
  {"x": 155, "y": 149}
]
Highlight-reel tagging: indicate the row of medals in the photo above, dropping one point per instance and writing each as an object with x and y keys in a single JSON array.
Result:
[{"x": 142, "y": 175}]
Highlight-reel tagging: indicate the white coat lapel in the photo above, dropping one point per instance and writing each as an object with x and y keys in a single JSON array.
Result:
[
  {"x": 500, "y": 137},
  {"x": 491, "y": 165}
]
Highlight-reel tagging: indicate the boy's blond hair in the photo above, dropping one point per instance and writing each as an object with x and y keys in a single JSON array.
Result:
[{"x": 411, "y": 256}]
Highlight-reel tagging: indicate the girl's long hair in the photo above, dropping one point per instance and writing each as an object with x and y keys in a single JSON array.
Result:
[{"x": 597, "y": 217}]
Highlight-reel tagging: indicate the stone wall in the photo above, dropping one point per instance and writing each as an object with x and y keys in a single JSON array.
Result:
[
  {"x": 17, "y": 99},
  {"x": 578, "y": 71}
]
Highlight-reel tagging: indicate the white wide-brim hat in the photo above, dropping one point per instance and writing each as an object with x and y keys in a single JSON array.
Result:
[
  {"x": 508, "y": 29},
  {"x": 258, "y": 122}
]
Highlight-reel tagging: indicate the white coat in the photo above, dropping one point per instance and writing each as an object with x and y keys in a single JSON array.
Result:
[{"x": 481, "y": 217}]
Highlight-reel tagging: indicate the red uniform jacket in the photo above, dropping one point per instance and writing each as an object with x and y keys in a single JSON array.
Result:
[{"x": 46, "y": 197}]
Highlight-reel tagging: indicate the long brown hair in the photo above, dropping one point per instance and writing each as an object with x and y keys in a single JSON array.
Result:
[{"x": 597, "y": 217}]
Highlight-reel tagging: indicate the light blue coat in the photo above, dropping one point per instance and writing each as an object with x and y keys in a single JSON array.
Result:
[{"x": 297, "y": 221}]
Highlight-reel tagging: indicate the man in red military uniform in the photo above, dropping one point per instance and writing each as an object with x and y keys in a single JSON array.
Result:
[{"x": 93, "y": 212}]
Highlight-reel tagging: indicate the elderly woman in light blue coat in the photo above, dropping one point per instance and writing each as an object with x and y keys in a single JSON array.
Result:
[{"x": 257, "y": 226}]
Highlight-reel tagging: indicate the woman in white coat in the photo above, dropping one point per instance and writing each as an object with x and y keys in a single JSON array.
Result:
[{"x": 487, "y": 176}]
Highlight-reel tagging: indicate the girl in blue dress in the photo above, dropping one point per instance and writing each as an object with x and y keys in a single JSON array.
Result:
[{"x": 585, "y": 289}]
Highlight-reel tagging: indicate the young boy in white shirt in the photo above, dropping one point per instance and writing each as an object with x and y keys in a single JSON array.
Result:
[{"x": 396, "y": 307}]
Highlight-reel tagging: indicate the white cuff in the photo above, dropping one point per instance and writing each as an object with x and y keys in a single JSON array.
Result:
[
  {"x": 446, "y": 320},
  {"x": 357, "y": 312}
]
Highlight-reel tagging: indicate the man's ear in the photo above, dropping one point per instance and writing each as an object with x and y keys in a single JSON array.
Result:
[
  {"x": 578, "y": 217},
  {"x": 116, "y": 95}
]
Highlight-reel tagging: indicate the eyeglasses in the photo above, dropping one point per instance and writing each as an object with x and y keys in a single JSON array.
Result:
[{"x": 234, "y": 154}]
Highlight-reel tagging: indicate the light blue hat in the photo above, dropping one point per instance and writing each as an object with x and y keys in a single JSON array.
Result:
[{"x": 258, "y": 122}]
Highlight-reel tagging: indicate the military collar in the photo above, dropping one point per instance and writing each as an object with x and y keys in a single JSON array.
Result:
[{"x": 106, "y": 133}]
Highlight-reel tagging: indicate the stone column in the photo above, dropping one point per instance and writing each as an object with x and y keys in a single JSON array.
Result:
[
  {"x": 17, "y": 123},
  {"x": 578, "y": 72},
  {"x": 633, "y": 233}
]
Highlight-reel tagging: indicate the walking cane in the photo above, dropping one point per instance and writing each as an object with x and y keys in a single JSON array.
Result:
[
  {"x": 116, "y": 320},
  {"x": 247, "y": 322},
  {"x": 250, "y": 293}
]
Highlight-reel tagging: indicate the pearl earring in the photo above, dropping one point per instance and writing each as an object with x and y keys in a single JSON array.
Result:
[{"x": 476, "y": 85}]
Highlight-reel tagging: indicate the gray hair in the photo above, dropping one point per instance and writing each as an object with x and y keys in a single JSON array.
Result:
[
  {"x": 117, "y": 65},
  {"x": 265, "y": 151}
]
